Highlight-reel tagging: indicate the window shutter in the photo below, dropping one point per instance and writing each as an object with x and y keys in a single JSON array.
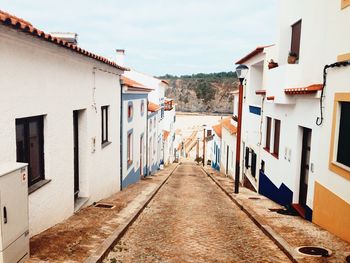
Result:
[
  {"x": 246, "y": 157},
  {"x": 253, "y": 167}
]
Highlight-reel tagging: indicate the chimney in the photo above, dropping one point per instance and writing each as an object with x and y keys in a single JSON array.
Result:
[
  {"x": 120, "y": 57},
  {"x": 66, "y": 36}
]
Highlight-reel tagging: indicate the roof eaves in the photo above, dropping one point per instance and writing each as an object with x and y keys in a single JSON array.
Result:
[{"x": 23, "y": 26}]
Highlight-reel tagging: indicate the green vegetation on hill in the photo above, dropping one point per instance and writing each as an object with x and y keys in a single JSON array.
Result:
[{"x": 202, "y": 92}]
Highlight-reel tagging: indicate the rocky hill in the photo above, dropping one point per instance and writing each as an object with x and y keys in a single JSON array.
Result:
[{"x": 202, "y": 92}]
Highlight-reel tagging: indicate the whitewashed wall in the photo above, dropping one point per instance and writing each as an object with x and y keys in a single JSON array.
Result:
[{"x": 40, "y": 78}]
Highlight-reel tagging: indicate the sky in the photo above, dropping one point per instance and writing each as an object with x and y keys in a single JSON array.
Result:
[{"x": 159, "y": 37}]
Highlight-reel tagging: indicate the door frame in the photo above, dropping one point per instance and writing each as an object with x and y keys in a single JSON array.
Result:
[
  {"x": 304, "y": 166},
  {"x": 76, "y": 153}
]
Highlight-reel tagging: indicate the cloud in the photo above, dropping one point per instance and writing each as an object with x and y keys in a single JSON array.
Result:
[{"x": 173, "y": 36}]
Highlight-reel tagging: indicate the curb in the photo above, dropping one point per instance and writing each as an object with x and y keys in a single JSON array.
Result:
[
  {"x": 114, "y": 238},
  {"x": 266, "y": 229}
]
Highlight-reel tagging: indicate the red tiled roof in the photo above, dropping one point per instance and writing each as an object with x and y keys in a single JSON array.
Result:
[
  {"x": 226, "y": 123},
  {"x": 134, "y": 85},
  {"x": 152, "y": 107},
  {"x": 252, "y": 54},
  {"x": 305, "y": 90},
  {"x": 218, "y": 129},
  {"x": 165, "y": 134},
  {"x": 260, "y": 92},
  {"x": 270, "y": 98},
  {"x": 24, "y": 26}
]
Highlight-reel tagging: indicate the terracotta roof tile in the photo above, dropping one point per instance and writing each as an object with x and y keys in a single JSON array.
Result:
[
  {"x": 134, "y": 85},
  {"x": 252, "y": 54},
  {"x": 218, "y": 130},
  {"x": 270, "y": 98},
  {"x": 227, "y": 124},
  {"x": 152, "y": 107},
  {"x": 260, "y": 92},
  {"x": 305, "y": 90},
  {"x": 24, "y": 26},
  {"x": 165, "y": 134}
]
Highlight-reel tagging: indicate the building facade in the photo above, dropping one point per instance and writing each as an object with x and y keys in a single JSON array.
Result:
[
  {"x": 134, "y": 131},
  {"x": 305, "y": 156},
  {"x": 61, "y": 115}
]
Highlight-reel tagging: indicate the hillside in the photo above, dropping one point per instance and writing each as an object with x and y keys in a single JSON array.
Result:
[{"x": 202, "y": 92}]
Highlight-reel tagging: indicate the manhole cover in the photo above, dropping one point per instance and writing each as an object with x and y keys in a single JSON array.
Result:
[
  {"x": 102, "y": 205},
  {"x": 314, "y": 251},
  {"x": 347, "y": 259}
]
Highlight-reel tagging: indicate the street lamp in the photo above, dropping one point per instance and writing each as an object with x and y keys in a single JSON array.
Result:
[{"x": 241, "y": 72}]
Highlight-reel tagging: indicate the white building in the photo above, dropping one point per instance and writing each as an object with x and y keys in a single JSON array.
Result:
[
  {"x": 252, "y": 111},
  {"x": 134, "y": 131},
  {"x": 216, "y": 147},
  {"x": 169, "y": 131},
  {"x": 60, "y": 113},
  {"x": 305, "y": 158},
  {"x": 228, "y": 150}
]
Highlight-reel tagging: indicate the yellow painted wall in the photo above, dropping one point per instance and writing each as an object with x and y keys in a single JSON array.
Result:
[{"x": 331, "y": 212}]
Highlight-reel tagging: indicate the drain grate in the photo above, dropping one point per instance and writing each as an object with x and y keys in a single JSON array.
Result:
[
  {"x": 254, "y": 198},
  {"x": 104, "y": 205},
  {"x": 347, "y": 259},
  {"x": 314, "y": 251}
]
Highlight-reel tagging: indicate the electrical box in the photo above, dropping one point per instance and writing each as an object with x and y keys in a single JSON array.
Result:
[{"x": 14, "y": 228}]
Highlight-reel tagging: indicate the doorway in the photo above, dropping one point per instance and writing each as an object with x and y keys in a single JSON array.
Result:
[
  {"x": 227, "y": 158},
  {"x": 304, "y": 166},
  {"x": 76, "y": 152},
  {"x": 141, "y": 155}
]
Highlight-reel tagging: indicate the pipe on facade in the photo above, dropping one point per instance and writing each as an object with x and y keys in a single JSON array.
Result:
[{"x": 319, "y": 119}]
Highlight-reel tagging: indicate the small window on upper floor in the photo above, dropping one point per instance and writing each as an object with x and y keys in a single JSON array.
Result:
[
  {"x": 345, "y": 3},
  {"x": 130, "y": 111},
  {"x": 293, "y": 56},
  {"x": 142, "y": 107}
]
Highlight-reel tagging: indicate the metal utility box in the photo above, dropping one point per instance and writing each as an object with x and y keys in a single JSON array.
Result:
[{"x": 14, "y": 228}]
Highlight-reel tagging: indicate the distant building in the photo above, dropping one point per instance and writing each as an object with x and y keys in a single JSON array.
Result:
[{"x": 134, "y": 131}]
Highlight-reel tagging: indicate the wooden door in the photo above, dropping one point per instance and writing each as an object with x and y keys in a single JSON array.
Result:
[{"x": 305, "y": 166}]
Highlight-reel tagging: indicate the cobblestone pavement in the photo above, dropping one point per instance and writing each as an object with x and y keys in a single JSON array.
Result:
[{"x": 192, "y": 220}]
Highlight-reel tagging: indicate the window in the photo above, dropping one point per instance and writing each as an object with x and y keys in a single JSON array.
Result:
[
  {"x": 276, "y": 143},
  {"x": 130, "y": 111},
  {"x": 246, "y": 163},
  {"x": 268, "y": 133},
  {"x": 345, "y": 3},
  {"x": 343, "y": 153},
  {"x": 129, "y": 148},
  {"x": 30, "y": 146},
  {"x": 142, "y": 107},
  {"x": 339, "y": 159},
  {"x": 104, "y": 118},
  {"x": 253, "y": 164},
  {"x": 155, "y": 123},
  {"x": 150, "y": 125},
  {"x": 154, "y": 144},
  {"x": 295, "y": 42}
]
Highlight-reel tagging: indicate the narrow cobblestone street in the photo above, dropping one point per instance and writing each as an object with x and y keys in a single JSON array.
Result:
[{"x": 192, "y": 220}]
